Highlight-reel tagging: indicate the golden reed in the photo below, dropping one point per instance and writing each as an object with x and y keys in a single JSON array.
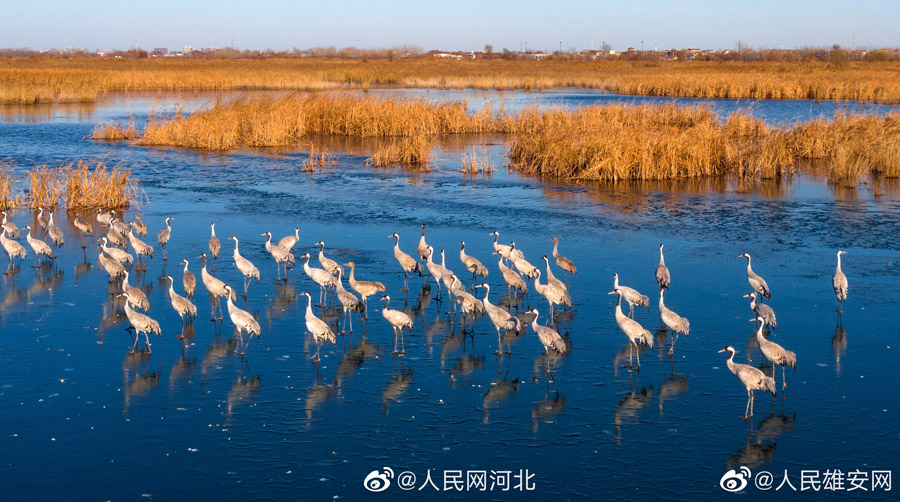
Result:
[{"x": 41, "y": 80}]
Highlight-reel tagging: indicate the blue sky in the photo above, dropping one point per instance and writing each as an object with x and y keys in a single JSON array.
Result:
[{"x": 460, "y": 25}]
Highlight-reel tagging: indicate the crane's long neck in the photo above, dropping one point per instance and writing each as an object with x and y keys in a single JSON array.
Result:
[
  {"x": 662, "y": 260},
  {"x": 759, "y": 333},
  {"x": 752, "y": 303},
  {"x": 730, "y": 363},
  {"x": 309, "y": 311},
  {"x": 839, "y": 262},
  {"x": 662, "y": 304},
  {"x": 396, "y": 243},
  {"x": 352, "y": 270},
  {"x": 749, "y": 269},
  {"x": 171, "y": 288},
  {"x": 616, "y": 281},
  {"x": 534, "y": 323},
  {"x": 185, "y": 266},
  {"x": 268, "y": 241},
  {"x": 487, "y": 291},
  {"x": 322, "y": 252},
  {"x": 213, "y": 227},
  {"x": 555, "y": 248},
  {"x": 443, "y": 261},
  {"x": 235, "y": 247}
]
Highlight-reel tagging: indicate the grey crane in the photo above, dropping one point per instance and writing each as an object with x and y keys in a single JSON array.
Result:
[
  {"x": 774, "y": 352},
  {"x": 319, "y": 329},
  {"x": 189, "y": 280},
  {"x": 471, "y": 263},
  {"x": 632, "y": 329},
  {"x": 139, "y": 225},
  {"x": 422, "y": 247},
  {"x": 512, "y": 278},
  {"x": 117, "y": 254},
  {"x": 469, "y": 305},
  {"x": 364, "y": 288},
  {"x": 247, "y": 268},
  {"x": 762, "y": 310},
  {"x": 214, "y": 244},
  {"x": 752, "y": 378},
  {"x": 662, "y": 271},
  {"x": 140, "y": 247},
  {"x": 446, "y": 273},
  {"x": 280, "y": 254},
  {"x": 407, "y": 262},
  {"x": 110, "y": 265},
  {"x": 290, "y": 241},
  {"x": 39, "y": 247},
  {"x": 436, "y": 271},
  {"x": 329, "y": 265},
  {"x": 549, "y": 338},
  {"x": 554, "y": 295},
  {"x": 104, "y": 218},
  {"x": 243, "y": 320},
  {"x": 12, "y": 247},
  {"x": 216, "y": 287},
  {"x": 757, "y": 283},
  {"x": 349, "y": 301},
  {"x": 552, "y": 279},
  {"x": 135, "y": 296},
  {"x": 398, "y": 320},
  {"x": 521, "y": 264},
  {"x": 116, "y": 238},
  {"x": 182, "y": 306},
  {"x": 43, "y": 221},
  {"x": 141, "y": 323},
  {"x": 673, "y": 321},
  {"x": 500, "y": 318},
  {"x": 55, "y": 233},
  {"x": 320, "y": 276},
  {"x": 632, "y": 296},
  {"x": 839, "y": 282},
  {"x": 501, "y": 249},
  {"x": 119, "y": 227},
  {"x": 563, "y": 262},
  {"x": 10, "y": 227},
  {"x": 162, "y": 238},
  {"x": 83, "y": 226}
]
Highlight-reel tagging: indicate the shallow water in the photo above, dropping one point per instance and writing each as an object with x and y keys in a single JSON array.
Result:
[{"x": 83, "y": 419}]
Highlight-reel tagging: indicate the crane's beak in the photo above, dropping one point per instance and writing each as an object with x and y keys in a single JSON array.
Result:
[
  {"x": 747, "y": 295},
  {"x": 612, "y": 293},
  {"x": 723, "y": 350}
]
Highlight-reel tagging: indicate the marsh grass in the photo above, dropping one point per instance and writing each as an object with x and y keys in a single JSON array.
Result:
[
  {"x": 411, "y": 152},
  {"x": 100, "y": 187},
  {"x": 115, "y": 132},
  {"x": 9, "y": 197},
  {"x": 472, "y": 164},
  {"x": 319, "y": 158},
  {"x": 37, "y": 80},
  {"x": 77, "y": 186}
]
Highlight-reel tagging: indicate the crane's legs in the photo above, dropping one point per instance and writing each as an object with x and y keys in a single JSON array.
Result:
[
  {"x": 783, "y": 381},
  {"x": 499, "y": 347},
  {"x": 317, "y": 352},
  {"x": 672, "y": 348}
]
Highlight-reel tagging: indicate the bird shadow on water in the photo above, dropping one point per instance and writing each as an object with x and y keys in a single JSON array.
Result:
[
  {"x": 839, "y": 344},
  {"x": 760, "y": 443},
  {"x": 629, "y": 407},
  {"x": 500, "y": 390},
  {"x": 398, "y": 385},
  {"x": 243, "y": 391},
  {"x": 137, "y": 380},
  {"x": 546, "y": 410}
]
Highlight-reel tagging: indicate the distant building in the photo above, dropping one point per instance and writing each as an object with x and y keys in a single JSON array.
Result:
[{"x": 159, "y": 52}]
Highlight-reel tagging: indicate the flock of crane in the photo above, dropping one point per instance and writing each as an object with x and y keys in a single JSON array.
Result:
[{"x": 514, "y": 269}]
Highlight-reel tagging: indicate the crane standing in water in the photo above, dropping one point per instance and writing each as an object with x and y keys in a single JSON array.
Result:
[
  {"x": 839, "y": 282},
  {"x": 756, "y": 282},
  {"x": 752, "y": 378}
]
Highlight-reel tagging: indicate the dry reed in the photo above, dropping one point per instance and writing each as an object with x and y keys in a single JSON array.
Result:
[
  {"x": 318, "y": 158},
  {"x": 35, "y": 80},
  {"x": 411, "y": 152},
  {"x": 73, "y": 187},
  {"x": 9, "y": 197},
  {"x": 115, "y": 132},
  {"x": 472, "y": 164}
]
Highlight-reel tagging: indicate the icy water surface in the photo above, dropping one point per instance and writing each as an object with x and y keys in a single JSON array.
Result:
[{"x": 84, "y": 420}]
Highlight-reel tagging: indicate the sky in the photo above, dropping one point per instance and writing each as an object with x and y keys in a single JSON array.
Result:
[{"x": 448, "y": 25}]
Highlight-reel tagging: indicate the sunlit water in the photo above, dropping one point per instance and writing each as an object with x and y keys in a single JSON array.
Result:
[{"x": 84, "y": 420}]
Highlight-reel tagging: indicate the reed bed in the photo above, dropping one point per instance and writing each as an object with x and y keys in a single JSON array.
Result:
[
  {"x": 268, "y": 121},
  {"x": 319, "y": 158},
  {"x": 9, "y": 197},
  {"x": 410, "y": 152},
  {"x": 115, "y": 132},
  {"x": 472, "y": 164},
  {"x": 77, "y": 186},
  {"x": 36, "y": 80}
]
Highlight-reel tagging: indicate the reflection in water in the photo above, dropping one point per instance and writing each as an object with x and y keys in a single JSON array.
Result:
[
  {"x": 136, "y": 379},
  {"x": 47, "y": 279},
  {"x": 440, "y": 325},
  {"x": 317, "y": 395},
  {"x": 242, "y": 392},
  {"x": 760, "y": 447},
  {"x": 216, "y": 353},
  {"x": 182, "y": 368},
  {"x": 839, "y": 344},
  {"x": 676, "y": 384},
  {"x": 628, "y": 408},
  {"x": 623, "y": 355},
  {"x": 113, "y": 316},
  {"x": 546, "y": 409},
  {"x": 11, "y": 294},
  {"x": 285, "y": 303},
  {"x": 353, "y": 359},
  {"x": 397, "y": 386},
  {"x": 500, "y": 390}
]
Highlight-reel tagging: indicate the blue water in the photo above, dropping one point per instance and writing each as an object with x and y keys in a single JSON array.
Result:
[{"x": 84, "y": 420}]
